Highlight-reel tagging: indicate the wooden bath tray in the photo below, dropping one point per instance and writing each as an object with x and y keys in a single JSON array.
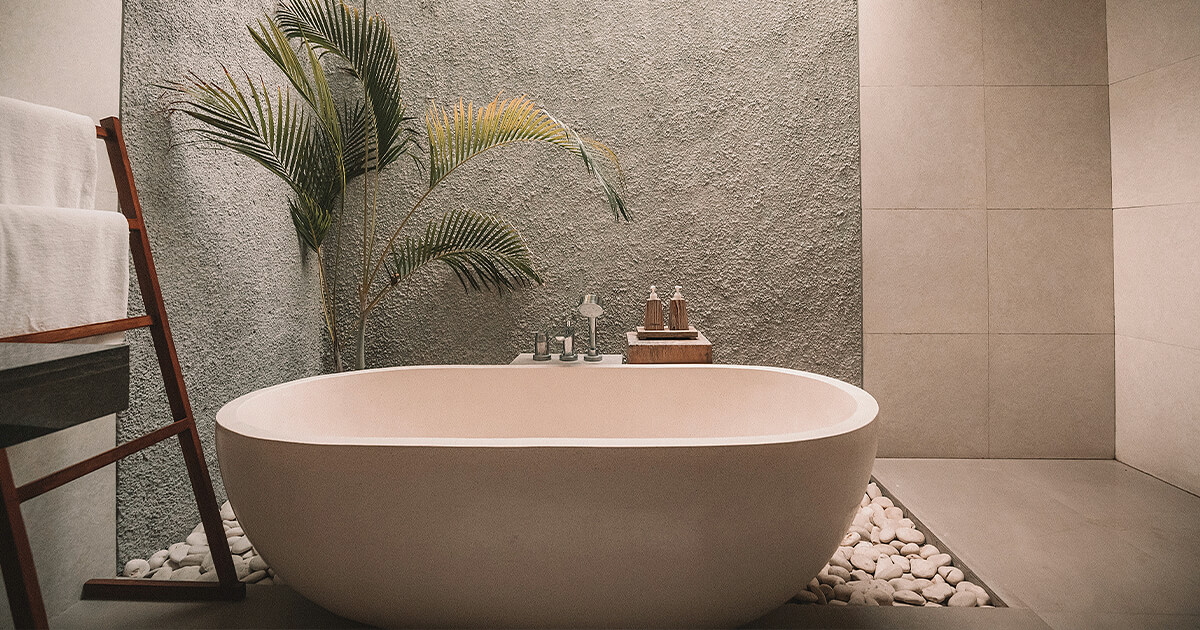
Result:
[{"x": 689, "y": 333}]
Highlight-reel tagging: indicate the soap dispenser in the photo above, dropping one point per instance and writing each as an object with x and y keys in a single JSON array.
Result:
[
  {"x": 678, "y": 317},
  {"x": 653, "y": 320}
]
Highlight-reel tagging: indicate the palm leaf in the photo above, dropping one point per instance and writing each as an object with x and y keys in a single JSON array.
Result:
[
  {"x": 463, "y": 133},
  {"x": 379, "y": 133},
  {"x": 483, "y": 250},
  {"x": 277, "y": 133}
]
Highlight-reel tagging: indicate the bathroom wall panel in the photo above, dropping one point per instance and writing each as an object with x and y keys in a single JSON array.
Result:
[
  {"x": 1158, "y": 409},
  {"x": 1050, "y": 270},
  {"x": 932, "y": 392},
  {"x": 738, "y": 131},
  {"x": 1145, "y": 35},
  {"x": 1155, "y": 127},
  {"x": 1051, "y": 396},
  {"x": 923, "y": 147},
  {"x": 1034, "y": 42},
  {"x": 1048, "y": 147},
  {"x": 1157, "y": 254},
  {"x": 925, "y": 271},
  {"x": 920, "y": 42}
]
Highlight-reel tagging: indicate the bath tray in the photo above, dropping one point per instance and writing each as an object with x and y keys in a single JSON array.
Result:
[{"x": 689, "y": 333}]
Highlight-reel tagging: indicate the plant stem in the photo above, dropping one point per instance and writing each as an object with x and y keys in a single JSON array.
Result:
[
  {"x": 327, "y": 310},
  {"x": 360, "y": 345}
]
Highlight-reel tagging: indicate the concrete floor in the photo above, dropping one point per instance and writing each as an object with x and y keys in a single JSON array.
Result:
[{"x": 1066, "y": 543}]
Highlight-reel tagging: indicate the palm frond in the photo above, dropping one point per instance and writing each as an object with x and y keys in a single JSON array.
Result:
[
  {"x": 460, "y": 134},
  {"x": 365, "y": 45},
  {"x": 483, "y": 250},
  {"x": 276, "y": 132}
]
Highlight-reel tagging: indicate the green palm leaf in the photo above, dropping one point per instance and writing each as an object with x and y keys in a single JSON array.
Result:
[
  {"x": 483, "y": 250},
  {"x": 463, "y": 133},
  {"x": 379, "y": 133},
  {"x": 274, "y": 131}
]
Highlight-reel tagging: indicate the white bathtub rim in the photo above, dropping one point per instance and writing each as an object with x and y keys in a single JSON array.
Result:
[{"x": 866, "y": 411}]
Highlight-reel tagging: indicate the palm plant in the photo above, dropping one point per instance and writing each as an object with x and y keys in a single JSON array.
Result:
[{"x": 318, "y": 144}]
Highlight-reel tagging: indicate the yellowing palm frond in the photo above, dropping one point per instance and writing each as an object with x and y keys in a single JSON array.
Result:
[
  {"x": 458, "y": 135},
  {"x": 483, "y": 250}
]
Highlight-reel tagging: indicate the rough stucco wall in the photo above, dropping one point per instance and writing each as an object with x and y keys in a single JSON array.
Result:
[
  {"x": 738, "y": 130},
  {"x": 237, "y": 294}
]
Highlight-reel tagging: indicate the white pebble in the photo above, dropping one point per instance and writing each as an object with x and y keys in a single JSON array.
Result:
[
  {"x": 885, "y": 569},
  {"x": 161, "y": 573},
  {"x": 234, "y": 532},
  {"x": 807, "y": 597},
  {"x": 178, "y": 551},
  {"x": 910, "y": 536},
  {"x": 258, "y": 564},
  {"x": 227, "y": 512},
  {"x": 239, "y": 545},
  {"x": 908, "y": 597},
  {"x": 158, "y": 559},
  {"x": 910, "y": 548},
  {"x": 873, "y": 490},
  {"x": 929, "y": 550},
  {"x": 862, "y": 561},
  {"x": 254, "y": 577},
  {"x": 197, "y": 538},
  {"x": 963, "y": 599},
  {"x": 136, "y": 568},
  {"x": 186, "y": 573},
  {"x": 937, "y": 592},
  {"x": 922, "y": 568},
  {"x": 941, "y": 559}
]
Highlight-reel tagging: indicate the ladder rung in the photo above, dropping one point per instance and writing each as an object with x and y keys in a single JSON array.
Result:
[{"x": 79, "y": 332}]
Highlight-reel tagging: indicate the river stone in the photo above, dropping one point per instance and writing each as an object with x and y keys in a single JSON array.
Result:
[
  {"x": 178, "y": 551},
  {"x": 873, "y": 490},
  {"x": 193, "y": 560},
  {"x": 239, "y": 545},
  {"x": 197, "y": 538},
  {"x": 807, "y": 597},
  {"x": 910, "y": 549},
  {"x": 858, "y": 575},
  {"x": 254, "y": 577},
  {"x": 211, "y": 576},
  {"x": 884, "y": 550},
  {"x": 903, "y": 563},
  {"x": 883, "y": 502},
  {"x": 136, "y": 568},
  {"x": 893, "y": 513},
  {"x": 962, "y": 599},
  {"x": 843, "y": 592},
  {"x": 234, "y": 532},
  {"x": 920, "y": 584},
  {"x": 207, "y": 565},
  {"x": 158, "y": 559},
  {"x": 862, "y": 561},
  {"x": 840, "y": 562},
  {"x": 922, "y": 568},
  {"x": 161, "y": 573},
  {"x": 908, "y": 597},
  {"x": 910, "y": 535},
  {"x": 258, "y": 564},
  {"x": 941, "y": 560},
  {"x": 186, "y": 573},
  {"x": 830, "y": 579},
  {"x": 929, "y": 550},
  {"x": 885, "y": 569},
  {"x": 887, "y": 534},
  {"x": 937, "y": 592},
  {"x": 227, "y": 512},
  {"x": 837, "y": 602},
  {"x": 952, "y": 575}
]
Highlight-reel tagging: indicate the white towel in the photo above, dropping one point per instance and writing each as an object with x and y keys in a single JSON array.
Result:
[
  {"x": 62, "y": 267},
  {"x": 47, "y": 156}
]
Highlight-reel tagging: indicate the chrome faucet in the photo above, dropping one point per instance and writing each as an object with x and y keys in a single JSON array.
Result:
[
  {"x": 568, "y": 341},
  {"x": 591, "y": 307}
]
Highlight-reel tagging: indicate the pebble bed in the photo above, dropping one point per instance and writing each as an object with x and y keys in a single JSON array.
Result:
[
  {"x": 191, "y": 559},
  {"x": 883, "y": 560}
]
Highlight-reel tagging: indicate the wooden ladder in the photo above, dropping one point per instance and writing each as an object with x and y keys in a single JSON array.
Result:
[{"x": 20, "y": 577}]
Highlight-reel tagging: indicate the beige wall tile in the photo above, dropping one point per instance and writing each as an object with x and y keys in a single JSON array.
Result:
[
  {"x": 932, "y": 393},
  {"x": 1047, "y": 147},
  {"x": 920, "y": 42},
  {"x": 1050, "y": 271},
  {"x": 922, "y": 147},
  {"x": 1158, "y": 410},
  {"x": 1036, "y": 42},
  {"x": 1156, "y": 254},
  {"x": 1144, "y": 35},
  {"x": 1051, "y": 396},
  {"x": 925, "y": 271},
  {"x": 1156, "y": 137}
]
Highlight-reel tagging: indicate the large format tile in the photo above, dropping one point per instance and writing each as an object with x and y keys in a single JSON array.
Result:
[
  {"x": 920, "y": 42},
  {"x": 1158, "y": 410},
  {"x": 922, "y": 147},
  {"x": 1034, "y": 42},
  {"x": 1156, "y": 267},
  {"x": 1052, "y": 534},
  {"x": 925, "y": 271},
  {"x": 932, "y": 393},
  {"x": 1156, "y": 137},
  {"x": 1051, "y": 396},
  {"x": 1048, "y": 147},
  {"x": 1145, "y": 35},
  {"x": 1084, "y": 620},
  {"x": 1050, "y": 271}
]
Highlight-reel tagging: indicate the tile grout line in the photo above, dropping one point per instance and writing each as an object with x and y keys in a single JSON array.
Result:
[
  {"x": 1152, "y": 70},
  {"x": 987, "y": 244}
]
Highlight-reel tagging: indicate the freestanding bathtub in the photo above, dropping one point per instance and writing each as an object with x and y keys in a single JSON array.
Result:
[{"x": 538, "y": 496}]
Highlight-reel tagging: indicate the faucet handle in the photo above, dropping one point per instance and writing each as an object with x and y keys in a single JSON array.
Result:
[
  {"x": 541, "y": 346},
  {"x": 568, "y": 341}
]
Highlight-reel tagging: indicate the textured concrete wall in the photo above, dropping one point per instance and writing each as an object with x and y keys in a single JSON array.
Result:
[
  {"x": 238, "y": 295},
  {"x": 739, "y": 133}
]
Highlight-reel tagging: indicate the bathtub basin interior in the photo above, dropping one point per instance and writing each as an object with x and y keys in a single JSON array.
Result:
[{"x": 505, "y": 496}]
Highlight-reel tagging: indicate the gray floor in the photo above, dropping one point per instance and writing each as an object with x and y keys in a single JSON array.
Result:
[{"x": 1071, "y": 543}]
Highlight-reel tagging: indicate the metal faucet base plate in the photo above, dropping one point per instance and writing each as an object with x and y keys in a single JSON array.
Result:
[{"x": 526, "y": 358}]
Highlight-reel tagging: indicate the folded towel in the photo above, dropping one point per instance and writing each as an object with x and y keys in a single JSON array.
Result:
[
  {"x": 47, "y": 156},
  {"x": 62, "y": 267}
]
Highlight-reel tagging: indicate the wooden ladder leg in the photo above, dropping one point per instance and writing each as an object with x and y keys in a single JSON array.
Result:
[
  {"x": 20, "y": 576},
  {"x": 210, "y": 512}
]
